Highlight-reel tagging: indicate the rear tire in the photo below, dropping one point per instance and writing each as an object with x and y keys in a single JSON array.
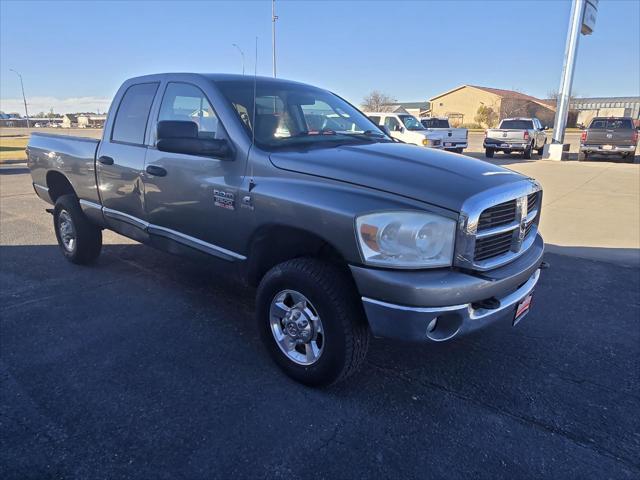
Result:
[
  {"x": 78, "y": 238},
  {"x": 527, "y": 152},
  {"x": 319, "y": 294},
  {"x": 583, "y": 156},
  {"x": 459, "y": 150},
  {"x": 488, "y": 152}
]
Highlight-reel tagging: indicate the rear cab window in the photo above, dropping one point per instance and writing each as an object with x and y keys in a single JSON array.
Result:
[
  {"x": 516, "y": 125},
  {"x": 435, "y": 123},
  {"x": 612, "y": 124},
  {"x": 130, "y": 124}
]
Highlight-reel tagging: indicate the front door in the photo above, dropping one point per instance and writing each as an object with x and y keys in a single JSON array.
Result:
[
  {"x": 195, "y": 200},
  {"x": 394, "y": 126},
  {"x": 121, "y": 157}
]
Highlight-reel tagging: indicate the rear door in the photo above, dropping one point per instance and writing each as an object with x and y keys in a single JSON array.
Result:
[{"x": 121, "y": 159}]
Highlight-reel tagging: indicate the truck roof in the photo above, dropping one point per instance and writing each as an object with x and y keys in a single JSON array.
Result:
[
  {"x": 517, "y": 118},
  {"x": 215, "y": 77}
]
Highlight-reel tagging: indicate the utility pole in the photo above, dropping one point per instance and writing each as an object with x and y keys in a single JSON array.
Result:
[
  {"x": 274, "y": 17},
  {"x": 566, "y": 81},
  {"x": 24, "y": 99},
  {"x": 241, "y": 53},
  {"x": 583, "y": 15}
]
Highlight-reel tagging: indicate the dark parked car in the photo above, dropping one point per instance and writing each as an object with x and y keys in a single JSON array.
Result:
[
  {"x": 609, "y": 136},
  {"x": 343, "y": 231}
]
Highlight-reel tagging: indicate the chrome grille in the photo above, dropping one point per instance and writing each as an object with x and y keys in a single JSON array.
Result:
[
  {"x": 489, "y": 247},
  {"x": 501, "y": 214},
  {"x": 493, "y": 234},
  {"x": 532, "y": 201}
]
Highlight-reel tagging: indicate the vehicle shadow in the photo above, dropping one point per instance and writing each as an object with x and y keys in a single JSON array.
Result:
[
  {"x": 13, "y": 170},
  {"x": 175, "y": 339},
  {"x": 510, "y": 159}
]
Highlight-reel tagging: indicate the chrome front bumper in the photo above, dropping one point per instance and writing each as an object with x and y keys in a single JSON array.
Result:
[{"x": 442, "y": 323}]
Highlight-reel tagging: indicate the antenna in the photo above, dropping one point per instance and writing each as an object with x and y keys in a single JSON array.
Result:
[{"x": 253, "y": 121}]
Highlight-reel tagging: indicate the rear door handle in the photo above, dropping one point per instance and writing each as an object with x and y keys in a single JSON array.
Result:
[
  {"x": 156, "y": 171},
  {"x": 106, "y": 160}
]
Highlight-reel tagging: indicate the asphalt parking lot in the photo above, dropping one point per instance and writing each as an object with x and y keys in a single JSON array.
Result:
[{"x": 148, "y": 366}]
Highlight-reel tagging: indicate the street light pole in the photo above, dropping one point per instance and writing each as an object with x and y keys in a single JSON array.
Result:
[
  {"x": 274, "y": 17},
  {"x": 241, "y": 53},
  {"x": 571, "y": 50},
  {"x": 24, "y": 99}
]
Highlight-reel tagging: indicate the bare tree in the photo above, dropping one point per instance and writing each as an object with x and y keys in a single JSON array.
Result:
[{"x": 377, "y": 101}]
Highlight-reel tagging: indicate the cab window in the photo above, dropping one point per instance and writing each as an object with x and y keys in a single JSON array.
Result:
[
  {"x": 185, "y": 102},
  {"x": 131, "y": 119},
  {"x": 392, "y": 124}
]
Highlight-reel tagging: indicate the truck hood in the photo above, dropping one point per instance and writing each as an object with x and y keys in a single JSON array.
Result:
[{"x": 432, "y": 176}]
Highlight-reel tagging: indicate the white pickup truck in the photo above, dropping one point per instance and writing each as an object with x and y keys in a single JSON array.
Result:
[
  {"x": 454, "y": 139},
  {"x": 516, "y": 135},
  {"x": 406, "y": 128}
]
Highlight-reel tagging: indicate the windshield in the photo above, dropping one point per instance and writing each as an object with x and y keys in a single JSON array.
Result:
[
  {"x": 516, "y": 125},
  {"x": 612, "y": 123},
  {"x": 289, "y": 115},
  {"x": 411, "y": 122},
  {"x": 435, "y": 123}
]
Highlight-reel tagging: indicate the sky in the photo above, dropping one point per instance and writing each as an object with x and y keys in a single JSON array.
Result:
[{"x": 74, "y": 55}]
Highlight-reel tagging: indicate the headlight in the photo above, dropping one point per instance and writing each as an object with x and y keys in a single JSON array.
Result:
[
  {"x": 406, "y": 239},
  {"x": 426, "y": 142}
]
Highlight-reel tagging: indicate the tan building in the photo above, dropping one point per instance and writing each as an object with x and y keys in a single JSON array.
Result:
[
  {"x": 69, "y": 120},
  {"x": 461, "y": 105},
  {"x": 91, "y": 121}
]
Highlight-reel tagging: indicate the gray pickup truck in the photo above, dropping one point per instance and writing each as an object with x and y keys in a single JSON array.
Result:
[
  {"x": 344, "y": 232},
  {"x": 609, "y": 136},
  {"x": 524, "y": 135}
]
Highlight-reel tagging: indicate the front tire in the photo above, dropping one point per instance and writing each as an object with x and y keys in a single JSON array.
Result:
[
  {"x": 311, "y": 321},
  {"x": 78, "y": 238}
]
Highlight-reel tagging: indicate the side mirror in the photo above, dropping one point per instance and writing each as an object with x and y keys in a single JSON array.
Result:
[{"x": 182, "y": 137}]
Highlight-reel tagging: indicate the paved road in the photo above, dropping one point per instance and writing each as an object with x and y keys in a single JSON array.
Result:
[{"x": 148, "y": 366}]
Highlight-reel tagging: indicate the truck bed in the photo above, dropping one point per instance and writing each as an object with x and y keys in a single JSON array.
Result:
[{"x": 72, "y": 156}]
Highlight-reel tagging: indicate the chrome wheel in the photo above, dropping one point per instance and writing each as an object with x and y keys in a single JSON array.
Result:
[
  {"x": 296, "y": 327},
  {"x": 67, "y": 231}
]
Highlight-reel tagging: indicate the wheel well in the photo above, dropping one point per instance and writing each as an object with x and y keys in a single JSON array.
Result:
[
  {"x": 276, "y": 244},
  {"x": 58, "y": 185}
]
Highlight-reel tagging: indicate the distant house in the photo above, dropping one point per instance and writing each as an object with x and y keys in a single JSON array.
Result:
[
  {"x": 91, "y": 121},
  {"x": 69, "y": 120},
  {"x": 417, "y": 109},
  {"x": 464, "y": 101}
]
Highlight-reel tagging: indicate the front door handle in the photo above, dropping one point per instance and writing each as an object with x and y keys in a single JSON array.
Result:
[
  {"x": 156, "y": 171},
  {"x": 104, "y": 160}
]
